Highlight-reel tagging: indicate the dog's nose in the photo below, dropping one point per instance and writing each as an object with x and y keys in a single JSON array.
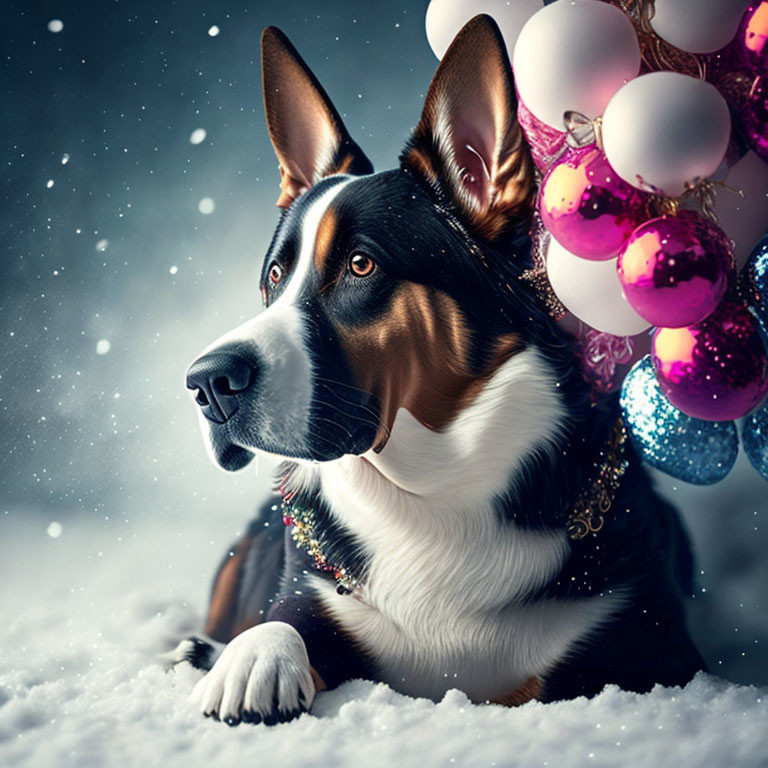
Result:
[{"x": 218, "y": 378}]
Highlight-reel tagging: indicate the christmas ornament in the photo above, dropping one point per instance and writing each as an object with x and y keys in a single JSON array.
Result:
[
  {"x": 755, "y": 284},
  {"x": 675, "y": 269},
  {"x": 591, "y": 290},
  {"x": 715, "y": 370},
  {"x": 664, "y": 131},
  {"x": 587, "y": 208},
  {"x": 446, "y": 17},
  {"x": 750, "y": 45},
  {"x": 693, "y": 450},
  {"x": 574, "y": 56},
  {"x": 754, "y": 115},
  {"x": 697, "y": 26},
  {"x": 754, "y": 438}
]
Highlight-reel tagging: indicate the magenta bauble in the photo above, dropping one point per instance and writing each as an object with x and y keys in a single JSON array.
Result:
[
  {"x": 754, "y": 115},
  {"x": 675, "y": 269},
  {"x": 588, "y": 209},
  {"x": 716, "y": 370},
  {"x": 749, "y": 49}
]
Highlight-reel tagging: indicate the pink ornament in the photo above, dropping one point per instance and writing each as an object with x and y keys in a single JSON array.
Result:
[
  {"x": 675, "y": 269},
  {"x": 588, "y": 209},
  {"x": 546, "y": 142},
  {"x": 749, "y": 49},
  {"x": 716, "y": 370}
]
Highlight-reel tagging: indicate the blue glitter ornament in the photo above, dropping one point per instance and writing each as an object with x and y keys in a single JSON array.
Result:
[
  {"x": 693, "y": 450},
  {"x": 754, "y": 438},
  {"x": 755, "y": 284}
]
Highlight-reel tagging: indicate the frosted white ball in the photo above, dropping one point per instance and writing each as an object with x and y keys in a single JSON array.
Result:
[
  {"x": 665, "y": 129},
  {"x": 446, "y": 17},
  {"x": 591, "y": 290},
  {"x": 698, "y": 26},
  {"x": 574, "y": 55}
]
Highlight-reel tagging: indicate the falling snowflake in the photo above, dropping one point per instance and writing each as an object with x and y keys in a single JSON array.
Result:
[
  {"x": 55, "y": 530},
  {"x": 173, "y": 270},
  {"x": 103, "y": 346},
  {"x": 206, "y": 205},
  {"x": 49, "y": 183},
  {"x": 102, "y": 245},
  {"x": 64, "y": 159},
  {"x": 213, "y": 31},
  {"x": 197, "y": 136},
  {"x": 55, "y": 25}
]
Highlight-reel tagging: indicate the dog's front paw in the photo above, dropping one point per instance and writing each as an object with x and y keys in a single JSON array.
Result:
[{"x": 262, "y": 675}]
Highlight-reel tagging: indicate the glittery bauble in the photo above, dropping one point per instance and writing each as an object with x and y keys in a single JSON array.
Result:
[
  {"x": 755, "y": 284},
  {"x": 754, "y": 438},
  {"x": 675, "y": 269},
  {"x": 749, "y": 48},
  {"x": 588, "y": 209},
  {"x": 754, "y": 115},
  {"x": 716, "y": 370},
  {"x": 693, "y": 450}
]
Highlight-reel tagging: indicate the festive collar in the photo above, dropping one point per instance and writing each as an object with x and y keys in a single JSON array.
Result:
[{"x": 586, "y": 517}]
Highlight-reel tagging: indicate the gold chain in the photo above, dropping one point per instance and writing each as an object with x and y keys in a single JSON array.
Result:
[{"x": 594, "y": 503}]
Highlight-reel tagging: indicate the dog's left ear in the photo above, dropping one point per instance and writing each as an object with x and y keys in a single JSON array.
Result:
[
  {"x": 468, "y": 144},
  {"x": 308, "y": 135}
]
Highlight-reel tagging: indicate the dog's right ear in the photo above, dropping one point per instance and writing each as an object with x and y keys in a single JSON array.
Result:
[{"x": 309, "y": 138}]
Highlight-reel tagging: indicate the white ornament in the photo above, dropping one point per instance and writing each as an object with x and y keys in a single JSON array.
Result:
[
  {"x": 446, "y": 17},
  {"x": 574, "y": 55},
  {"x": 592, "y": 292},
  {"x": 698, "y": 26},
  {"x": 665, "y": 129}
]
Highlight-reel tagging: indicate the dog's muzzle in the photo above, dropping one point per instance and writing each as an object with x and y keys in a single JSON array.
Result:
[{"x": 219, "y": 378}]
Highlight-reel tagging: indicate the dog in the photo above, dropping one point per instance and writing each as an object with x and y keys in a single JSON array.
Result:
[{"x": 453, "y": 511}]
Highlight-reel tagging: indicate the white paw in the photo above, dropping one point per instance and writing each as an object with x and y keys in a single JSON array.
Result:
[
  {"x": 200, "y": 652},
  {"x": 261, "y": 676}
]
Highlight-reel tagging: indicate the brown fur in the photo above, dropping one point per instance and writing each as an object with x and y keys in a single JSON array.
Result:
[
  {"x": 310, "y": 143},
  {"x": 223, "y": 607},
  {"x": 417, "y": 356},
  {"x": 476, "y": 94}
]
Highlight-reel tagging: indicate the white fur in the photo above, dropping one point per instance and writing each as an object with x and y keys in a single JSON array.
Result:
[
  {"x": 264, "y": 663},
  {"x": 443, "y": 601},
  {"x": 278, "y": 335}
]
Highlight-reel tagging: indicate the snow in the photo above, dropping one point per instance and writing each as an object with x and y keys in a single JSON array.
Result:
[
  {"x": 82, "y": 682},
  {"x": 103, "y": 346},
  {"x": 206, "y": 206},
  {"x": 214, "y": 31},
  {"x": 55, "y": 25},
  {"x": 197, "y": 136}
]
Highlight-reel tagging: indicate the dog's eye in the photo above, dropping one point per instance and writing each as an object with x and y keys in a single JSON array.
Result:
[
  {"x": 275, "y": 273},
  {"x": 361, "y": 265}
]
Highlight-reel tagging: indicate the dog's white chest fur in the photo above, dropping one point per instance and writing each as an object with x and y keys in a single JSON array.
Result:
[{"x": 443, "y": 604}]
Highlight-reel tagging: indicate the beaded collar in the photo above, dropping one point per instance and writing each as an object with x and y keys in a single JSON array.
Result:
[{"x": 586, "y": 517}]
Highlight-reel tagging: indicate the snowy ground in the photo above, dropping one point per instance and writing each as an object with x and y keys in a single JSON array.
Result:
[{"x": 88, "y": 613}]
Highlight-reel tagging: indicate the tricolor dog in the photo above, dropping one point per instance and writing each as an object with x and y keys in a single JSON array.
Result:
[{"x": 457, "y": 513}]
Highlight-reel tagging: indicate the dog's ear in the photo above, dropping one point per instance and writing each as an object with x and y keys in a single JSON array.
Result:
[
  {"x": 309, "y": 138},
  {"x": 468, "y": 144}
]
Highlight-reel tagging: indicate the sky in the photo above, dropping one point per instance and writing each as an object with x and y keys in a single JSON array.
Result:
[{"x": 113, "y": 278}]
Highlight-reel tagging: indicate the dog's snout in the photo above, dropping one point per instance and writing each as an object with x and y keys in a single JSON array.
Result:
[{"x": 218, "y": 379}]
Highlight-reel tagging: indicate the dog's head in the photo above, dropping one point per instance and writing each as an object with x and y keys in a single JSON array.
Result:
[{"x": 383, "y": 291}]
